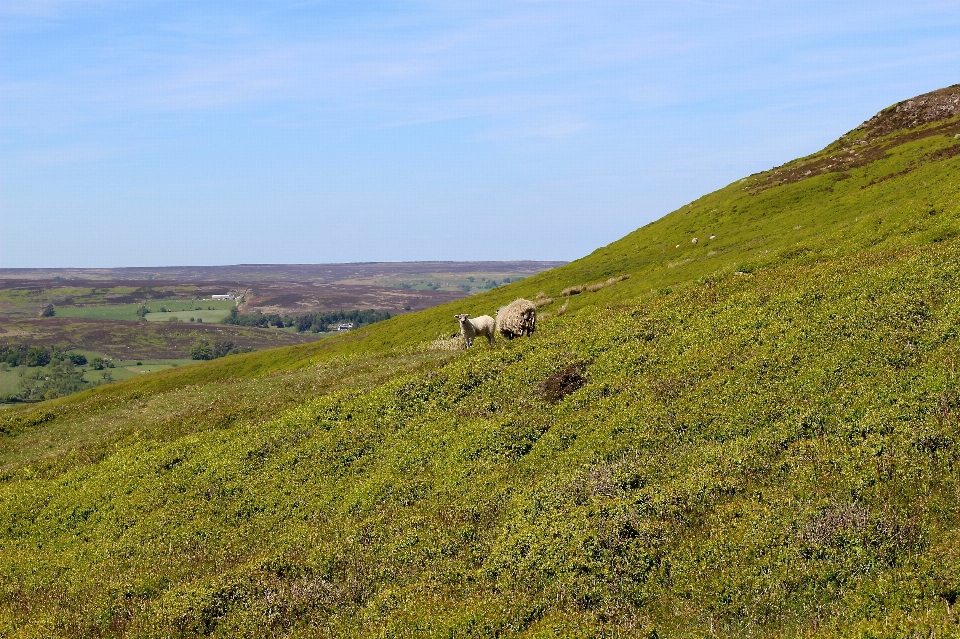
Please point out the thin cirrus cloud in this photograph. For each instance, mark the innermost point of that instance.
(345, 70)
(367, 127)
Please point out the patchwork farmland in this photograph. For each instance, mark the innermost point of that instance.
(144, 320)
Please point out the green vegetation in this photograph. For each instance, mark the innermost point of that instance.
(135, 340)
(186, 316)
(27, 300)
(320, 322)
(33, 373)
(209, 310)
(257, 319)
(204, 350)
(125, 369)
(40, 373)
(99, 363)
(8, 382)
(450, 282)
(312, 322)
(754, 435)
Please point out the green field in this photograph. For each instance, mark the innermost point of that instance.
(125, 369)
(121, 369)
(107, 311)
(30, 300)
(754, 435)
(129, 311)
(8, 382)
(212, 317)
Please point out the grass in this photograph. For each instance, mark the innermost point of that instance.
(209, 317)
(755, 435)
(125, 369)
(122, 369)
(129, 311)
(31, 300)
(140, 340)
(8, 382)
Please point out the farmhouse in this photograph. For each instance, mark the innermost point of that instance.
(228, 296)
(345, 327)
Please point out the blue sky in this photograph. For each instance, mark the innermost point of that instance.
(148, 133)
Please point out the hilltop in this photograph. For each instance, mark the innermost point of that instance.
(754, 434)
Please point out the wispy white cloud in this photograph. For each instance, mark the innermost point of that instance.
(304, 109)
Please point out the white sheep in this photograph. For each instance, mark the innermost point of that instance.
(517, 319)
(483, 326)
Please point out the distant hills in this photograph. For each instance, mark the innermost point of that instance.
(755, 434)
(315, 273)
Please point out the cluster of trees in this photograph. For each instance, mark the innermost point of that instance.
(61, 378)
(24, 355)
(320, 322)
(47, 373)
(99, 363)
(205, 350)
(257, 319)
(314, 322)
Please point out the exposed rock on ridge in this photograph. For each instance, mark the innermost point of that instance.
(941, 104)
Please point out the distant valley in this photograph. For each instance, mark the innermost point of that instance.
(132, 321)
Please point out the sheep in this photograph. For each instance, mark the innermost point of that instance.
(483, 326)
(517, 319)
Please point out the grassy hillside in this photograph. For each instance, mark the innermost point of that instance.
(753, 435)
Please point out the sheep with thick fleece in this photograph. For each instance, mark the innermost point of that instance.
(484, 326)
(516, 319)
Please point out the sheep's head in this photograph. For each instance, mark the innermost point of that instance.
(462, 317)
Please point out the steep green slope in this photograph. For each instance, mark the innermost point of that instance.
(756, 434)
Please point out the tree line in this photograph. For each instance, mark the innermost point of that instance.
(310, 322)
(204, 350)
(47, 373)
(25, 355)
